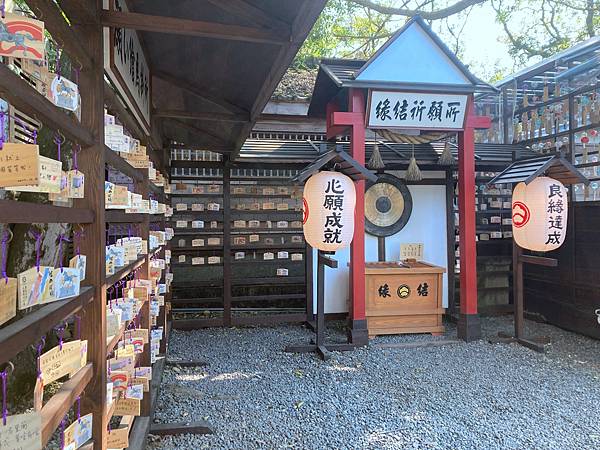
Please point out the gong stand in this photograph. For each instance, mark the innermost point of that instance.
(318, 344)
(381, 248)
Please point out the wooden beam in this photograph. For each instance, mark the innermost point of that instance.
(194, 363)
(79, 11)
(13, 211)
(139, 433)
(116, 162)
(185, 27)
(174, 429)
(60, 30)
(199, 91)
(245, 10)
(179, 164)
(196, 129)
(538, 260)
(59, 405)
(206, 116)
(423, 344)
(16, 91)
(124, 271)
(120, 216)
(15, 336)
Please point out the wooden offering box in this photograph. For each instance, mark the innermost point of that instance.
(404, 297)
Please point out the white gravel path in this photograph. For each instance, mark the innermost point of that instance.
(463, 396)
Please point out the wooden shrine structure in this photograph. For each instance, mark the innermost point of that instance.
(177, 77)
(344, 95)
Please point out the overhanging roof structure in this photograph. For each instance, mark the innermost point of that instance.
(527, 170)
(339, 160)
(304, 152)
(215, 63)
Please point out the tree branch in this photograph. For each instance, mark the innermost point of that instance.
(427, 15)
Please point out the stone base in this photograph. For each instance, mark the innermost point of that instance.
(469, 327)
(358, 333)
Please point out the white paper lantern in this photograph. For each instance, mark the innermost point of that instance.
(329, 201)
(539, 214)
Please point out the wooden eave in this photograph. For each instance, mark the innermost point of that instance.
(215, 67)
(341, 161)
(527, 170)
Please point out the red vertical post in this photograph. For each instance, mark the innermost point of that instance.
(358, 333)
(469, 327)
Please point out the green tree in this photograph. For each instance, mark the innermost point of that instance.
(541, 28)
(533, 28)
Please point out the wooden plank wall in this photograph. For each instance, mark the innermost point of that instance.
(568, 295)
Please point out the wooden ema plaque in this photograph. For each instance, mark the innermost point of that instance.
(19, 165)
(118, 437)
(404, 297)
(8, 299)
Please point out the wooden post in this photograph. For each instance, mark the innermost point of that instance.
(469, 326)
(518, 289)
(381, 248)
(358, 321)
(308, 256)
(144, 274)
(92, 164)
(450, 242)
(227, 273)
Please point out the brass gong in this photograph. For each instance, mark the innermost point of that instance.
(388, 205)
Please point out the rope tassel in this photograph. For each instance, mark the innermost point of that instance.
(376, 161)
(413, 173)
(446, 158)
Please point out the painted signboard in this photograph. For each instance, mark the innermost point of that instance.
(416, 110)
(126, 65)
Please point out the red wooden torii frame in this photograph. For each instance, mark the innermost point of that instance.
(353, 122)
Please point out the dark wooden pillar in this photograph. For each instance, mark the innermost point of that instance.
(92, 164)
(227, 273)
(142, 187)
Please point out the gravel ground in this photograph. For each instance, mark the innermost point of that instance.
(460, 396)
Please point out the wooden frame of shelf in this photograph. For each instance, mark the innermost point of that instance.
(85, 44)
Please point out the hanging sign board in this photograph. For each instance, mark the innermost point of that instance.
(415, 110)
(126, 66)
